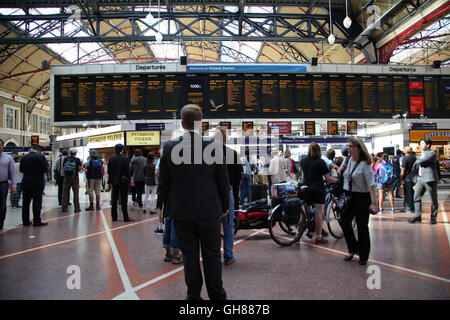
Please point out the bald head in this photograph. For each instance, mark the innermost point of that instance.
(408, 150)
(189, 114)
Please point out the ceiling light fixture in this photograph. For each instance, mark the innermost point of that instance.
(347, 20)
(149, 18)
(331, 37)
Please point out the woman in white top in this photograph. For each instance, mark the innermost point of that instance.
(362, 198)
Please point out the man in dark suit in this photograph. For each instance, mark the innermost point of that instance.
(119, 178)
(427, 180)
(197, 192)
(33, 165)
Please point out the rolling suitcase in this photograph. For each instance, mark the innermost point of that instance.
(258, 191)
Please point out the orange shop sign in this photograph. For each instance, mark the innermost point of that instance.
(434, 135)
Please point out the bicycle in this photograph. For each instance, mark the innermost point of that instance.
(287, 229)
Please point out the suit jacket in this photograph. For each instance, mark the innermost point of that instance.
(192, 188)
(118, 170)
(427, 167)
(33, 165)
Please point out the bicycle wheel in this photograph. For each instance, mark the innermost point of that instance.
(333, 223)
(282, 230)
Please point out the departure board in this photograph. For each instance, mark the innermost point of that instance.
(205, 127)
(287, 87)
(102, 95)
(137, 95)
(445, 94)
(337, 94)
(369, 94)
(172, 94)
(431, 93)
(78, 98)
(332, 128)
(385, 95)
(119, 99)
(86, 92)
(155, 90)
(269, 96)
(320, 93)
(401, 103)
(352, 127)
(310, 128)
(195, 92)
(217, 93)
(303, 97)
(234, 95)
(353, 94)
(68, 96)
(251, 96)
(416, 100)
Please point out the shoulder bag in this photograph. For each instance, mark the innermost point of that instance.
(344, 199)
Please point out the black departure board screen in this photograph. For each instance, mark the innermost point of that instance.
(119, 99)
(102, 95)
(172, 94)
(320, 93)
(269, 96)
(385, 95)
(445, 94)
(401, 103)
(369, 94)
(353, 94)
(137, 95)
(303, 94)
(86, 93)
(337, 92)
(287, 87)
(155, 92)
(431, 93)
(251, 96)
(234, 95)
(217, 94)
(310, 128)
(195, 92)
(81, 98)
(67, 96)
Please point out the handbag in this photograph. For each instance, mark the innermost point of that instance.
(344, 200)
(338, 188)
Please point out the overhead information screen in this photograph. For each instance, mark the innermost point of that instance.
(248, 95)
(102, 94)
(369, 94)
(86, 92)
(337, 94)
(269, 94)
(385, 95)
(353, 94)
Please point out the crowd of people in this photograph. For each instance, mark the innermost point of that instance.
(193, 201)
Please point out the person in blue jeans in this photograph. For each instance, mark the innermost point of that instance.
(170, 243)
(234, 168)
(247, 178)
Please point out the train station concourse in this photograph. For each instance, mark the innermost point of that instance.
(95, 79)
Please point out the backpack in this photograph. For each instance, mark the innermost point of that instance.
(70, 168)
(386, 173)
(95, 169)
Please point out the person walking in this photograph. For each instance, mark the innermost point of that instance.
(137, 165)
(197, 194)
(407, 178)
(33, 165)
(71, 167)
(234, 168)
(247, 179)
(384, 177)
(315, 169)
(150, 183)
(119, 177)
(15, 198)
(58, 173)
(427, 179)
(94, 174)
(359, 184)
(6, 173)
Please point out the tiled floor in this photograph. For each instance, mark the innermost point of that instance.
(118, 260)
